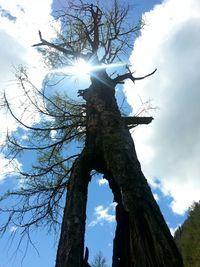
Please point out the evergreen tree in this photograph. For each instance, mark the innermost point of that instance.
(187, 237)
(99, 260)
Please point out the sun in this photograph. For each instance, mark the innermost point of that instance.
(81, 68)
(78, 68)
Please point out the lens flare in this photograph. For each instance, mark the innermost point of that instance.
(82, 69)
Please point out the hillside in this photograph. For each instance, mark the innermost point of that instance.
(187, 237)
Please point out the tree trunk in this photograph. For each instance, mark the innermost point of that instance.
(70, 248)
(142, 236)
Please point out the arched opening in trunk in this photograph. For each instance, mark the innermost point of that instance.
(101, 218)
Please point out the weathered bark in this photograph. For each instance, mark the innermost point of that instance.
(134, 121)
(121, 247)
(142, 236)
(70, 250)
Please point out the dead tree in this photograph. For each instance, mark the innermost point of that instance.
(142, 237)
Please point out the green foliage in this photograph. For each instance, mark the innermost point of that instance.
(187, 237)
(99, 260)
(56, 122)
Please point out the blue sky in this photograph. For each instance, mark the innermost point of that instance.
(168, 149)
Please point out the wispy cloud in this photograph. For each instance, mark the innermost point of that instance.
(103, 215)
(169, 148)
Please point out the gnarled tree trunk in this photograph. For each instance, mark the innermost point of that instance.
(142, 237)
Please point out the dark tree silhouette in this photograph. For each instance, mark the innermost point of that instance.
(102, 36)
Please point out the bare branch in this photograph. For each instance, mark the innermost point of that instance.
(88, 29)
(129, 75)
(57, 47)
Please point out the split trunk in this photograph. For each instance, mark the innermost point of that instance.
(142, 238)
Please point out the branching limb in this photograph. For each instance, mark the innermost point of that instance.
(57, 47)
(129, 75)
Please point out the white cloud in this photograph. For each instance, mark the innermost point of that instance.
(20, 21)
(102, 181)
(169, 148)
(21, 34)
(173, 230)
(156, 197)
(13, 229)
(103, 215)
(7, 168)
